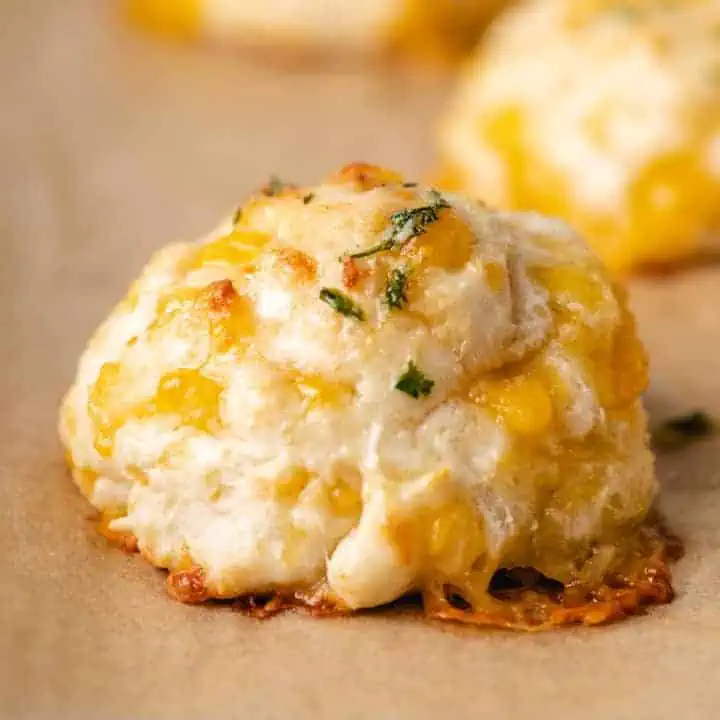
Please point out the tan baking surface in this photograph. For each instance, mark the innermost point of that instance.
(113, 145)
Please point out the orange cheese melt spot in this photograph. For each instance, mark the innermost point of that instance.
(231, 316)
(106, 406)
(445, 540)
(496, 276)
(670, 204)
(569, 285)
(531, 183)
(616, 364)
(85, 478)
(622, 368)
(191, 395)
(523, 402)
(447, 244)
(317, 391)
(178, 18)
(291, 485)
(455, 539)
(441, 31)
(366, 177)
(239, 248)
(185, 392)
(344, 500)
(216, 309)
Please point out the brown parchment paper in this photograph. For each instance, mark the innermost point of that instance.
(113, 144)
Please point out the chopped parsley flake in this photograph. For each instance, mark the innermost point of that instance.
(677, 432)
(406, 225)
(341, 303)
(237, 216)
(396, 288)
(307, 199)
(414, 382)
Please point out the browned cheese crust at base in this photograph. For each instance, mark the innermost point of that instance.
(520, 599)
(525, 600)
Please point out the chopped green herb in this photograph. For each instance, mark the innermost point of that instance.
(237, 216)
(274, 187)
(387, 244)
(409, 185)
(396, 288)
(683, 430)
(414, 382)
(308, 198)
(341, 303)
(407, 224)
